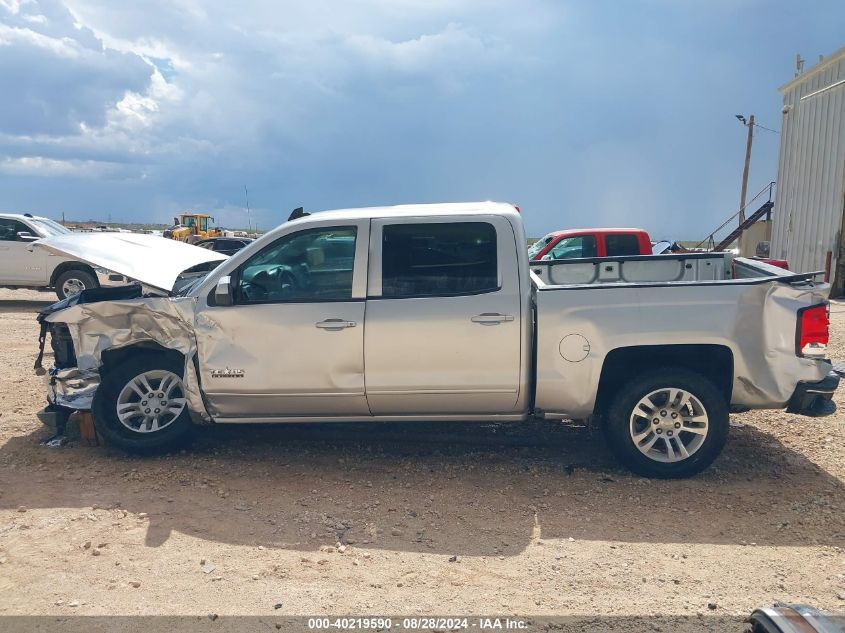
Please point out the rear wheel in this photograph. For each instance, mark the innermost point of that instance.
(141, 404)
(72, 282)
(667, 423)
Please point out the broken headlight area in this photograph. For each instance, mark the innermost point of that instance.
(69, 387)
(64, 356)
(60, 338)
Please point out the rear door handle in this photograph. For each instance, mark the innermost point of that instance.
(491, 318)
(335, 324)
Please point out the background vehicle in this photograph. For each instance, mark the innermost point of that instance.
(762, 254)
(21, 266)
(192, 227)
(433, 312)
(577, 243)
(225, 245)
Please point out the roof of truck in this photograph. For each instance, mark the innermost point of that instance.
(611, 230)
(410, 210)
(21, 216)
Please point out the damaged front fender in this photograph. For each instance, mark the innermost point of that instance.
(102, 326)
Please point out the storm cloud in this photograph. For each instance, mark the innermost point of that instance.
(583, 113)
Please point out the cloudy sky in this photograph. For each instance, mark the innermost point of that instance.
(584, 112)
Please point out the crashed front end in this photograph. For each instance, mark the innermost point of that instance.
(85, 329)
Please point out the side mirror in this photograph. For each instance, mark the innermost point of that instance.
(26, 236)
(223, 291)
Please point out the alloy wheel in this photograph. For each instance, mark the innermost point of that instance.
(669, 425)
(151, 401)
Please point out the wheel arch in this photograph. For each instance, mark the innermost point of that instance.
(71, 265)
(715, 362)
(117, 355)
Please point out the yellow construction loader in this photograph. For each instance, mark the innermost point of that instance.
(192, 227)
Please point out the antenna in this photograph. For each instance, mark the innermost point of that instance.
(248, 213)
(297, 213)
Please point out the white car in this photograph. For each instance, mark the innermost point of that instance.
(21, 266)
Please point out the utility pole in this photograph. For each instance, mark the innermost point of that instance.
(750, 125)
(248, 213)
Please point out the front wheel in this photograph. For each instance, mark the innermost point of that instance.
(72, 282)
(669, 423)
(141, 404)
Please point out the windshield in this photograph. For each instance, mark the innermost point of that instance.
(537, 246)
(48, 228)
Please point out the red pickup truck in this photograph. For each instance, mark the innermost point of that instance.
(575, 243)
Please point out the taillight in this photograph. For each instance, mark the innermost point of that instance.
(813, 331)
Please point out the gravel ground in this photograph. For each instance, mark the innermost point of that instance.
(414, 519)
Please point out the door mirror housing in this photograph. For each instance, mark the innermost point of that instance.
(223, 291)
(26, 236)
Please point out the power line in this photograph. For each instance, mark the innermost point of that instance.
(768, 129)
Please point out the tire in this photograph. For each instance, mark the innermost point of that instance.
(137, 432)
(704, 411)
(74, 277)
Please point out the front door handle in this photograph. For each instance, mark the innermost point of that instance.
(491, 318)
(335, 324)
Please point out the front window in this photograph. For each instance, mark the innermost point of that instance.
(574, 247)
(433, 259)
(539, 245)
(203, 224)
(310, 265)
(9, 230)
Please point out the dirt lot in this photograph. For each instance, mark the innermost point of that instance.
(541, 520)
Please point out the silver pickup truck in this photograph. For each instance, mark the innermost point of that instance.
(433, 312)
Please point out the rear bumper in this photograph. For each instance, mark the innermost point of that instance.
(809, 395)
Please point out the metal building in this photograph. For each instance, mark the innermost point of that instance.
(808, 219)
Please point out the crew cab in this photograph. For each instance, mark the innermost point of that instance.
(434, 312)
(24, 267)
(577, 243)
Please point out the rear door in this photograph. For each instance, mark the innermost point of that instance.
(622, 244)
(443, 317)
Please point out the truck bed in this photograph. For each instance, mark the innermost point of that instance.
(680, 302)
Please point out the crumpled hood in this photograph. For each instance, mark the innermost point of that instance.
(154, 261)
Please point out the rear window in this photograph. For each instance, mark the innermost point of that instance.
(432, 259)
(621, 244)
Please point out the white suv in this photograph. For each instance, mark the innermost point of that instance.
(23, 267)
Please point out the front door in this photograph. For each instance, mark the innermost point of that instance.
(443, 331)
(19, 265)
(293, 342)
